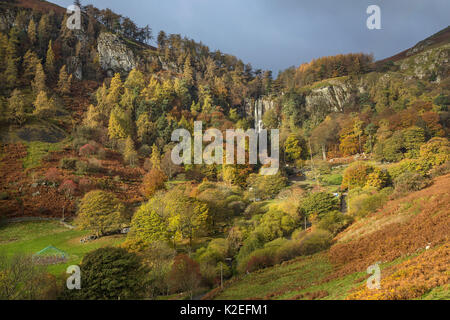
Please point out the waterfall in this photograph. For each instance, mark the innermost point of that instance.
(258, 116)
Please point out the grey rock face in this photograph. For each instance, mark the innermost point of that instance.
(114, 54)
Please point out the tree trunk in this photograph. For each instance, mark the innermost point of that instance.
(324, 152)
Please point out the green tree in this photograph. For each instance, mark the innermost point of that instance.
(112, 274)
(293, 148)
(100, 211)
(318, 204)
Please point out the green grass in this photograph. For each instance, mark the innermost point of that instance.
(282, 279)
(36, 151)
(31, 237)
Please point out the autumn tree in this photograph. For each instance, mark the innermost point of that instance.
(30, 62)
(50, 63)
(100, 211)
(153, 181)
(130, 155)
(17, 107)
(65, 81)
(185, 275)
(38, 84)
(31, 31)
(43, 106)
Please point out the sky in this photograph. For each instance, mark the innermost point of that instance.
(277, 34)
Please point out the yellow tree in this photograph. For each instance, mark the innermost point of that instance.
(50, 61)
(65, 81)
(38, 84)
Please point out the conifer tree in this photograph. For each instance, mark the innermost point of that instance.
(115, 90)
(130, 155)
(16, 105)
(188, 73)
(116, 127)
(43, 106)
(30, 61)
(65, 81)
(38, 84)
(31, 31)
(50, 61)
(155, 158)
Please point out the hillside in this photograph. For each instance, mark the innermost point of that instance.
(87, 119)
(408, 237)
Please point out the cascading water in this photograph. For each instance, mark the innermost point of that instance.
(258, 116)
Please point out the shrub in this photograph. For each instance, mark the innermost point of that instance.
(91, 166)
(87, 150)
(53, 175)
(441, 170)
(410, 182)
(361, 174)
(266, 187)
(185, 275)
(335, 222)
(153, 181)
(276, 224)
(68, 163)
(85, 185)
(68, 187)
(316, 241)
(261, 259)
(255, 208)
(319, 203)
(368, 200)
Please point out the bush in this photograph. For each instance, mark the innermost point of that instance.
(68, 163)
(91, 166)
(316, 241)
(87, 150)
(255, 208)
(261, 259)
(335, 222)
(410, 182)
(368, 200)
(275, 224)
(319, 203)
(53, 175)
(153, 181)
(266, 187)
(361, 174)
(441, 170)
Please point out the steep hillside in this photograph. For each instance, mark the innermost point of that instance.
(409, 237)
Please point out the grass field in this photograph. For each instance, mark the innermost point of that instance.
(31, 237)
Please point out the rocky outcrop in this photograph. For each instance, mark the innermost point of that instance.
(114, 54)
(333, 96)
(431, 64)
